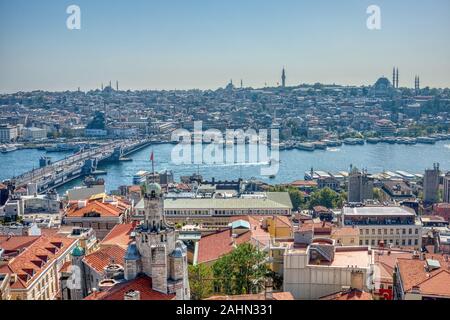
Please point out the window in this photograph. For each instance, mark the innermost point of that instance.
(367, 242)
(409, 242)
(403, 242)
(416, 242)
(373, 242)
(379, 231)
(385, 231)
(367, 231)
(410, 231)
(392, 231)
(373, 231)
(403, 231)
(361, 232)
(360, 242)
(417, 231)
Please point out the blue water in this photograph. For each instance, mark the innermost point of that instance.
(375, 158)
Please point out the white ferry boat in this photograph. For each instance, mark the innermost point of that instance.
(140, 177)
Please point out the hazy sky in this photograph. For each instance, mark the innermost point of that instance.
(168, 44)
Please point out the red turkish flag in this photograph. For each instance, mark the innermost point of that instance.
(152, 157)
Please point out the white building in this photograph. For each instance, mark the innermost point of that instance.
(34, 133)
(8, 133)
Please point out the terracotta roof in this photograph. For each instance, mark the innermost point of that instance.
(414, 273)
(352, 294)
(143, 284)
(345, 231)
(304, 183)
(104, 209)
(213, 246)
(35, 258)
(119, 235)
(13, 243)
(101, 258)
(275, 296)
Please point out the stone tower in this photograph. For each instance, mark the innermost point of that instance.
(156, 252)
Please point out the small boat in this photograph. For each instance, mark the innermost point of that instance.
(305, 146)
(8, 148)
(272, 176)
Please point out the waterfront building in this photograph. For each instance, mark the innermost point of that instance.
(34, 133)
(384, 226)
(385, 127)
(316, 267)
(360, 186)
(34, 264)
(8, 133)
(431, 185)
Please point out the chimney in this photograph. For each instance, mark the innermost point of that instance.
(269, 289)
(132, 295)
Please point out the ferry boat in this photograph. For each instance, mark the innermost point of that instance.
(320, 145)
(373, 140)
(306, 146)
(426, 140)
(140, 177)
(354, 141)
(8, 148)
(61, 147)
(333, 143)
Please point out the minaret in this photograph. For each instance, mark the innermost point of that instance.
(417, 84)
(117, 85)
(397, 78)
(283, 78)
(393, 77)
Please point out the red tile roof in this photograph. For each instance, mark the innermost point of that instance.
(213, 246)
(414, 273)
(13, 243)
(95, 206)
(143, 284)
(101, 258)
(352, 294)
(120, 235)
(35, 258)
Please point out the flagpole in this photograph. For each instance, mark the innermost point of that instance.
(153, 166)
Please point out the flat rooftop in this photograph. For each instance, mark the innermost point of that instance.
(359, 258)
(378, 211)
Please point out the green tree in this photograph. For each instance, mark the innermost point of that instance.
(325, 197)
(200, 281)
(296, 195)
(243, 271)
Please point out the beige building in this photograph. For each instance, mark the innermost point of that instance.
(345, 236)
(384, 226)
(315, 267)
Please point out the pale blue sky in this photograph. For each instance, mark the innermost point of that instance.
(167, 44)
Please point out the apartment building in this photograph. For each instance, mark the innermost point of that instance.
(384, 226)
